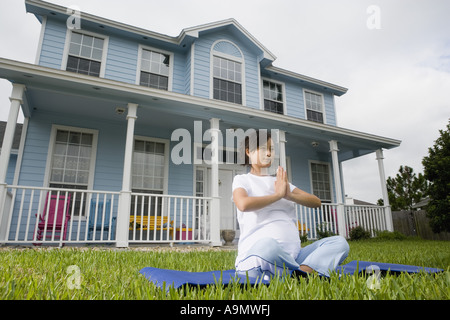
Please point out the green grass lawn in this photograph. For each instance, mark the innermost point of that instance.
(108, 273)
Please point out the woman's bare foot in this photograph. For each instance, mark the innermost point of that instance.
(306, 269)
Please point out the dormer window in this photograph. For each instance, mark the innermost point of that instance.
(314, 106)
(155, 69)
(227, 80)
(85, 54)
(227, 72)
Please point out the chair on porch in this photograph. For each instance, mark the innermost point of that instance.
(101, 220)
(53, 221)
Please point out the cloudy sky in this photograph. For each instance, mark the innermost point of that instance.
(392, 55)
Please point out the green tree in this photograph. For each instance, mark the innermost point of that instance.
(437, 171)
(406, 189)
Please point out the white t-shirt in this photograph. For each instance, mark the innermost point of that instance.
(278, 220)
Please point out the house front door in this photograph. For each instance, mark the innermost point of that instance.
(228, 219)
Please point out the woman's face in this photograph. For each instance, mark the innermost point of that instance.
(262, 156)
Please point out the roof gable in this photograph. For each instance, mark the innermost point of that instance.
(233, 25)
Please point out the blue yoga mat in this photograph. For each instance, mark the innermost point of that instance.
(367, 266)
(166, 278)
(176, 279)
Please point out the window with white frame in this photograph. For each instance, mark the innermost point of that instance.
(149, 160)
(273, 97)
(314, 106)
(321, 181)
(227, 80)
(72, 162)
(85, 54)
(155, 69)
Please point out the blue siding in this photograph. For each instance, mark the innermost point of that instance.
(35, 153)
(187, 73)
(122, 55)
(202, 68)
(53, 43)
(121, 61)
(294, 101)
(329, 109)
(179, 73)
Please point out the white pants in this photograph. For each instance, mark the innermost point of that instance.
(267, 257)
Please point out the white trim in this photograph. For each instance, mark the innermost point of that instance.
(195, 31)
(323, 104)
(139, 62)
(41, 40)
(310, 162)
(166, 143)
(334, 89)
(48, 166)
(88, 33)
(241, 60)
(283, 92)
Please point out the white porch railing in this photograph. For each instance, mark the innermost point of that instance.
(325, 218)
(89, 216)
(167, 218)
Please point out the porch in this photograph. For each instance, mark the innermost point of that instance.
(90, 217)
(53, 100)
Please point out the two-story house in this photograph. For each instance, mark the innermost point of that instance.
(124, 130)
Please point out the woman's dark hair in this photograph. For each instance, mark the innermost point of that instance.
(253, 141)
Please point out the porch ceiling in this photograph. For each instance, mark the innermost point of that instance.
(60, 91)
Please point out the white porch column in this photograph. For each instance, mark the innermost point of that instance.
(16, 100)
(215, 203)
(283, 149)
(338, 187)
(388, 212)
(123, 214)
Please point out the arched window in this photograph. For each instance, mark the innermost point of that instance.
(227, 72)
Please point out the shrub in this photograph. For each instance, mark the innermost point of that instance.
(388, 235)
(303, 237)
(322, 231)
(358, 233)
